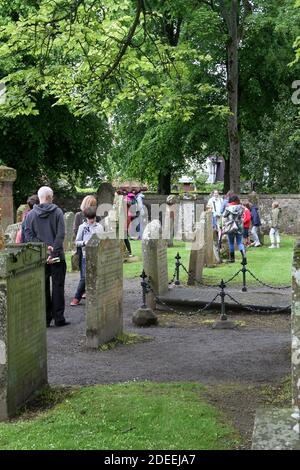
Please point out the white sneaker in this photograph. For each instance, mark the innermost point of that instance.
(257, 244)
(278, 246)
(272, 246)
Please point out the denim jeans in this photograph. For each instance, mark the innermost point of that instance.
(239, 241)
(81, 286)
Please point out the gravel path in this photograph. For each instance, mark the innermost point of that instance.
(180, 350)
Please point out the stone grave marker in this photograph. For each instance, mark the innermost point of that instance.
(7, 178)
(155, 261)
(209, 256)
(196, 264)
(105, 198)
(23, 347)
(279, 428)
(104, 288)
(10, 233)
(69, 237)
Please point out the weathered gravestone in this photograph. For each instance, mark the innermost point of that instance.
(296, 332)
(172, 210)
(11, 233)
(209, 256)
(69, 236)
(276, 428)
(7, 178)
(105, 198)
(23, 348)
(196, 264)
(155, 261)
(104, 288)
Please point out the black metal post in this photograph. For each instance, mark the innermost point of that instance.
(144, 285)
(177, 268)
(244, 270)
(223, 295)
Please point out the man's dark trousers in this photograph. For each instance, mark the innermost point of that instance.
(55, 303)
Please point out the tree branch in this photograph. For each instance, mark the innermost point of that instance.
(126, 42)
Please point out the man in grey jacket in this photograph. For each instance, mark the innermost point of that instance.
(45, 223)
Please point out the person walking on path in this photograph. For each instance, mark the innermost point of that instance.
(45, 223)
(256, 223)
(85, 231)
(233, 226)
(274, 231)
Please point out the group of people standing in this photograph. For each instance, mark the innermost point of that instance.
(238, 219)
(86, 223)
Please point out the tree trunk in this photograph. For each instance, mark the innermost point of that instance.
(232, 89)
(164, 183)
(226, 187)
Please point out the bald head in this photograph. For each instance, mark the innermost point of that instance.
(45, 195)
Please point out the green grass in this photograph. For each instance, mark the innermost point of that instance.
(272, 266)
(127, 416)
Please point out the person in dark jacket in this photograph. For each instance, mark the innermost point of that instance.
(256, 223)
(45, 223)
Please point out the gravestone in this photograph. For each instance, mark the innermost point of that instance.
(104, 288)
(209, 256)
(169, 223)
(10, 233)
(154, 250)
(296, 332)
(105, 198)
(23, 348)
(7, 178)
(69, 236)
(196, 264)
(279, 428)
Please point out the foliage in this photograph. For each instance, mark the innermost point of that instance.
(54, 143)
(272, 154)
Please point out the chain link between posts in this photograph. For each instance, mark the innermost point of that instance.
(222, 294)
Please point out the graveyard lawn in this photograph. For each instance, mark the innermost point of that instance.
(272, 266)
(132, 415)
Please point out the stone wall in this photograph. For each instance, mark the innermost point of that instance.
(290, 204)
(23, 348)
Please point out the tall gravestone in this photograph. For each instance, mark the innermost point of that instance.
(155, 262)
(169, 223)
(197, 254)
(279, 428)
(105, 198)
(23, 348)
(296, 331)
(104, 288)
(69, 236)
(209, 256)
(7, 178)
